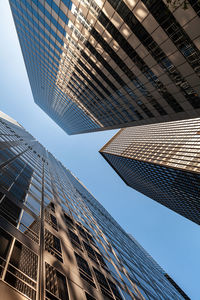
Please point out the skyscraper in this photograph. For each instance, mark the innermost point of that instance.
(96, 65)
(161, 161)
(56, 239)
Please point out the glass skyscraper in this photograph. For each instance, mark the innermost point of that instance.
(56, 239)
(104, 64)
(161, 161)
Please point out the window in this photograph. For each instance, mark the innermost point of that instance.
(5, 241)
(90, 252)
(25, 260)
(10, 211)
(53, 245)
(68, 221)
(84, 269)
(74, 239)
(89, 297)
(51, 219)
(22, 270)
(85, 234)
(30, 226)
(52, 206)
(105, 289)
(33, 204)
(114, 289)
(55, 284)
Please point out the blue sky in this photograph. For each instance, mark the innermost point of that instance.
(173, 241)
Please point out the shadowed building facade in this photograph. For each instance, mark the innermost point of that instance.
(162, 161)
(57, 242)
(96, 65)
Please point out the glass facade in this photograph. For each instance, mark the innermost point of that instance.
(161, 161)
(96, 65)
(56, 239)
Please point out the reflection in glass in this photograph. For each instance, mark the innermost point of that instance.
(29, 226)
(33, 205)
(35, 192)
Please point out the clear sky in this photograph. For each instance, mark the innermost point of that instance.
(173, 241)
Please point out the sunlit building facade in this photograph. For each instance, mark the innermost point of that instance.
(56, 239)
(96, 65)
(161, 161)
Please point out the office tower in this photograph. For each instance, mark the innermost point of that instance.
(162, 161)
(96, 65)
(56, 239)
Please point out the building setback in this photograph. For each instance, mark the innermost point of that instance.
(96, 65)
(162, 161)
(56, 239)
